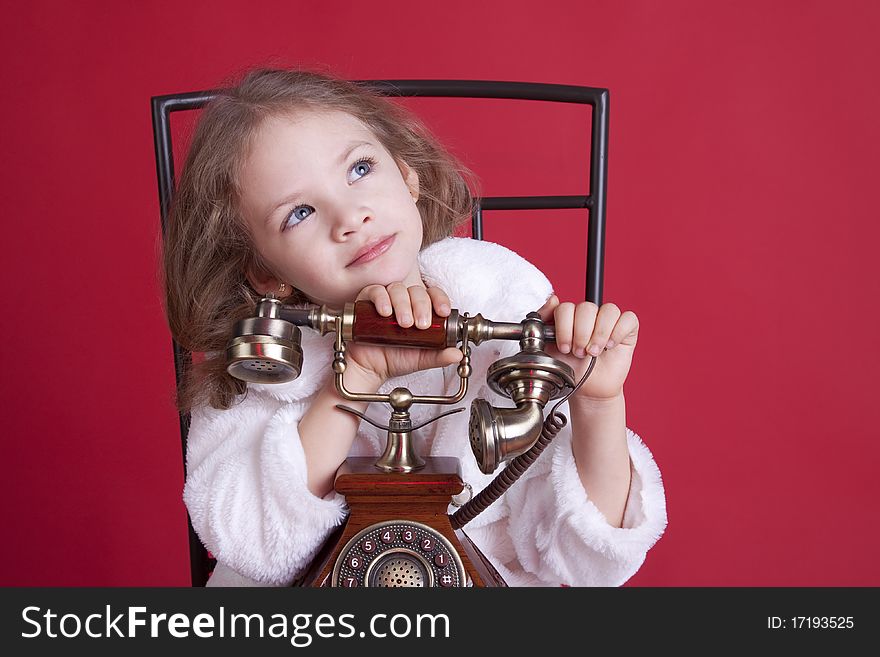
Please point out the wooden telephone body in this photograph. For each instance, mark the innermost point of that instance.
(398, 532)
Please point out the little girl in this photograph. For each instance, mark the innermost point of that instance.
(321, 192)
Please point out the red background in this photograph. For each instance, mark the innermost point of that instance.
(741, 230)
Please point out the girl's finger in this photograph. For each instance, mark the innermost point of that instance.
(441, 358)
(564, 323)
(626, 328)
(440, 300)
(400, 301)
(584, 321)
(379, 296)
(421, 306)
(546, 311)
(604, 325)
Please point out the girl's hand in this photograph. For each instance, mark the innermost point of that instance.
(586, 326)
(410, 306)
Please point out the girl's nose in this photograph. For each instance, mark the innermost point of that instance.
(350, 220)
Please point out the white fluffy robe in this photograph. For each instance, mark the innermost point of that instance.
(246, 486)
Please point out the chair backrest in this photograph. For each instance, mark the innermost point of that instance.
(593, 202)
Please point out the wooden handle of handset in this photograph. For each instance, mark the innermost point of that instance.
(370, 327)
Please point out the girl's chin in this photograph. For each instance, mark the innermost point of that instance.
(386, 275)
(383, 276)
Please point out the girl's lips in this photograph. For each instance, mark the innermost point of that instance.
(374, 252)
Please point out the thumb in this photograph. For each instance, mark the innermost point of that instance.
(433, 358)
(546, 311)
(449, 356)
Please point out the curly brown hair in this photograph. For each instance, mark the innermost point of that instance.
(207, 248)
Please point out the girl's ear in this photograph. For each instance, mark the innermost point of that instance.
(261, 280)
(411, 178)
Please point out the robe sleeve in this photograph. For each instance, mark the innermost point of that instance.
(562, 538)
(246, 489)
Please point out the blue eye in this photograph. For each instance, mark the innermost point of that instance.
(302, 212)
(362, 167)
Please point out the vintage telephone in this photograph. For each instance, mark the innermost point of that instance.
(398, 532)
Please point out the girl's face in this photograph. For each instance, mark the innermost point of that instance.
(318, 191)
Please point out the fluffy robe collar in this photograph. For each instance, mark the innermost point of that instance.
(479, 277)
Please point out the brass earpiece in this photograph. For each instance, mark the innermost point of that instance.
(265, 348)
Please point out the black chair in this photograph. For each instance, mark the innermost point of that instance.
(162, 106)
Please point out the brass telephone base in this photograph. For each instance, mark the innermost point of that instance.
(398, 532)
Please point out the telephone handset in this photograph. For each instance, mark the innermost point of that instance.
(398, 532)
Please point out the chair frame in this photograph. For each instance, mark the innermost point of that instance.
(594, 202)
